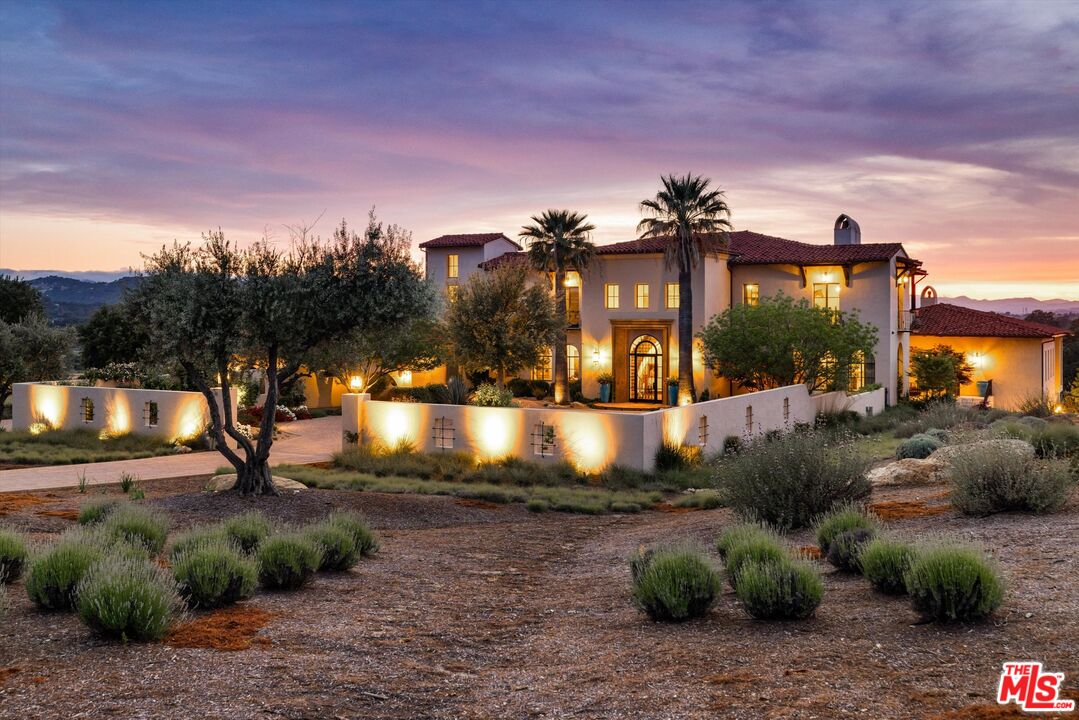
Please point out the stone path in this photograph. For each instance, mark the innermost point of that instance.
(306, 441)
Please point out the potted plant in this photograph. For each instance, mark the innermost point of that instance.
(606, 383)
(672, 391)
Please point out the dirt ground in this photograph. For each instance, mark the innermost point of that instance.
(479, 611)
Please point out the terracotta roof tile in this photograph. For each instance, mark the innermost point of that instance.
(465, 240)
(946, 320)
(504, 259)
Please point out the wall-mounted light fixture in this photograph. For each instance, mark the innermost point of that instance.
(404, 378)
(355, 383)
(595, 357)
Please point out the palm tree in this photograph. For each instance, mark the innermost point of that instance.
(690, 214)
(559, 241)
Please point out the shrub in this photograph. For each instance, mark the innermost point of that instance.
(127, 481)
(701, 500)
(940, 414)
(1012, 429)
(760, 549)
(841, 520)
(128, 599)
(1033, 422)
(676, 585)
(787, 589)
(139, 526)
(540, 389)
(741, 533)
(338, 547)
(844, 552)
(537, 505)
(676, 457)
(519, 387)
(53, 577)
(639, 561)
(196, 536)
(248, 529)
(885, 564)
(938, 434)
(990, 480)
(95, 511)
(789, 479)
(354, 524)
(492, 396)
(214, 573)
(287, 561)
(953, 583)
(13, 555)
(732, 445)
(918, 446)
(1056, 440)
(456, 392)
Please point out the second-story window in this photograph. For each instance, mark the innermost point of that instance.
(671, 295)
(610, 292)
(751, 294)
(641, 296)
(826, 295)
(451, 266)
(451, 293)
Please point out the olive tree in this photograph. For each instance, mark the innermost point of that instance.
(32, 350)
(941, 370)
(215, 307)
(502, 321)
(782, 342)
(19, 299)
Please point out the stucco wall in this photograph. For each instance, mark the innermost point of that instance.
(590, 440)
(1013, 364)
(116, 410)
(873, 293)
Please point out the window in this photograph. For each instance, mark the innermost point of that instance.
(671, 295)
(451, 293)
(543, 439)
(786, 409)
(610, 291)
(573, 362)
(751, 294)
(862, 371)
(87, 410)
(443, 434)
(542, 369)
(702, 431)
(451, 266)
(149, 414)
(573, 305)
(749, 419)
(826, 295)
(642, 296)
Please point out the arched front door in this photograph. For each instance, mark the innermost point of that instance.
(645, 369)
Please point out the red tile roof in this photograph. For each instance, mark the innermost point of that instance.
(465, 240)
(946, 320)
(504, 259)
(750, 248)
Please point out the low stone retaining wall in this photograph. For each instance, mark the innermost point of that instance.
(589, 439)
(167, 413)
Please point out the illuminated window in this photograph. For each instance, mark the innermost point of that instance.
(751, 294)
(149, 414)
(451, 266)
(611, 294)
(862, 371)
(542, 368)
(671, 296)
(444, 433)
(87, 410)
(826, 295)
(451, 293)
(641, 292)
(573, 305)
(573, 362)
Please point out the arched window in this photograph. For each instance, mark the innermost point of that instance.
(645, 369)
(573, 362)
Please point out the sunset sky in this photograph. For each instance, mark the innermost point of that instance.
(952, 127)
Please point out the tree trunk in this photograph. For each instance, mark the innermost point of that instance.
(558, 352)
(687, 394)
(255, 477)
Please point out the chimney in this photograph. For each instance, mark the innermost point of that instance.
(847, 231)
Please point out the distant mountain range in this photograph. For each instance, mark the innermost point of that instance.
(73, 296)
(1016, 306)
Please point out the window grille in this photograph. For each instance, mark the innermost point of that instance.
(87, 410)
(543, 440)
(786, 409)
(702, 431)
(444, 434)
(149, 414)
(749, 419)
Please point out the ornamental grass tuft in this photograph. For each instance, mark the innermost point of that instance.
(287, 561)
(842, 519)
(676, 584)
(13, 555)
(214, 573)
(128, 599)
(53, 576)
(885, 563)
(779, 590)
(954, 583)
(248, 529)
(138, 525)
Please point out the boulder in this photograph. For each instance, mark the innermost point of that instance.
(1020, 447)
(909, 471)
(220, 483)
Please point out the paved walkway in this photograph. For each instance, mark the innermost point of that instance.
(306, 441)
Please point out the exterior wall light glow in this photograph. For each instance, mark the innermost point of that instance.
(404, 378)
(355, 383)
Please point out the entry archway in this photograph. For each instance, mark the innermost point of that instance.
(646, 369)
